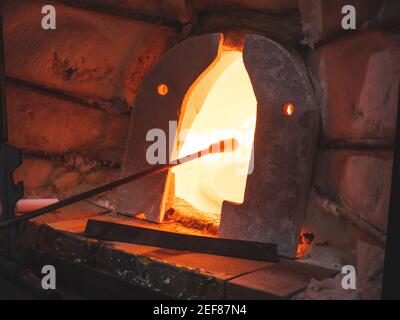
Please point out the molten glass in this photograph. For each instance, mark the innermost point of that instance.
(306, 239)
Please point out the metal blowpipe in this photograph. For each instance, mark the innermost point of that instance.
(228, 145)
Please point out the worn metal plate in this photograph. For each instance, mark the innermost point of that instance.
(277, 190)
(178, 69)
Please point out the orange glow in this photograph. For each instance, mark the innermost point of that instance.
(162, 89)
(306, 238)
(221, 105)
(288, 109)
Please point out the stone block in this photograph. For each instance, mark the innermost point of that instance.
(326, 228)
(35, 173)
(65, 246)
(180, 283)
(48, 124)
(323, 19)
(358, 82)
(328, 289)
(370, 265)
(46, 178)
(359, 180)
(90, 54)
(220, 267)
(67, 180)
(279, 281)
(156, 269)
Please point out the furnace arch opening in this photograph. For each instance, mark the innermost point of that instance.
(220, 105)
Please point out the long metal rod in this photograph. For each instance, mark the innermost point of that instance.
(337, 210)
(221, 146)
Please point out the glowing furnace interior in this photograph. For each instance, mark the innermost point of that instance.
(220, 105)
